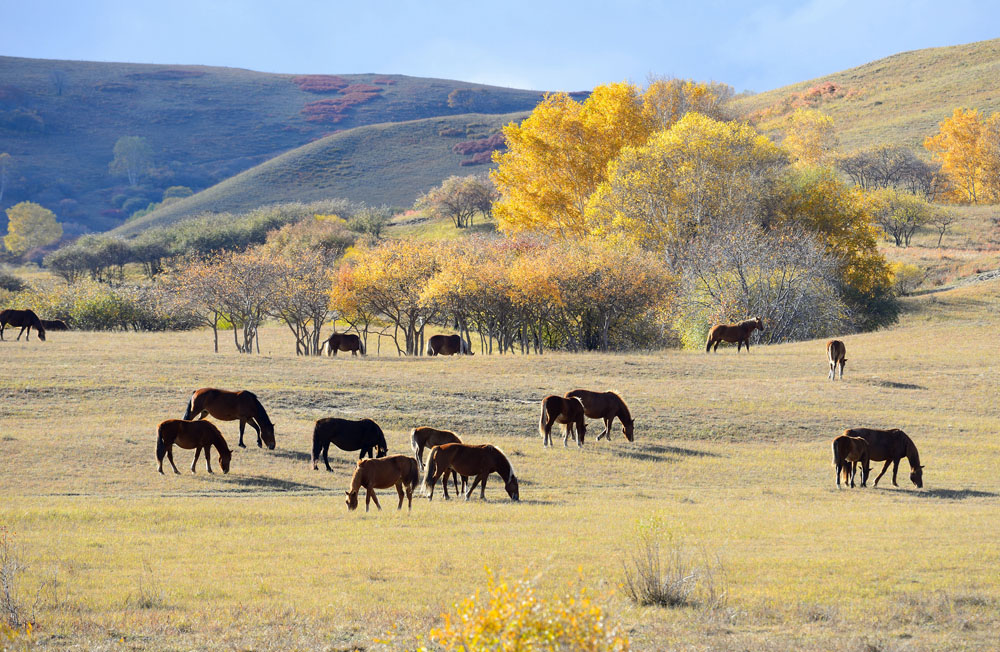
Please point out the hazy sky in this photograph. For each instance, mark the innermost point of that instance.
(537, 44)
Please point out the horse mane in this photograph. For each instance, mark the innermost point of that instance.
(261, 412)
(913, 459)
(628, 413)
(747, 323)
(510, 467)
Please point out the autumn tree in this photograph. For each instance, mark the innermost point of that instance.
(942, 220)
(810, 136)
(193, 288)
(30, 225)
(667, 100)
(460, 199)
(303, 300)
(962, 144)
(899, 214)
(697, 172)
(133, 158)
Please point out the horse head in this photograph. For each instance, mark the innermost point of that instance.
(629, 430)
(352, 500)
(758, 323)
(267, 434)
(511, 487)
(917, 476)
(225, 457)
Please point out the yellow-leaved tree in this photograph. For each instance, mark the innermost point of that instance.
(968, 146)
(700, 170)
(810, 137)
(30, 225)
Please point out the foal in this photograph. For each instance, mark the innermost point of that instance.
(397, 471)
(847, 452)
(836, 353)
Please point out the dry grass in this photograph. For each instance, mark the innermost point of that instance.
(732, 456)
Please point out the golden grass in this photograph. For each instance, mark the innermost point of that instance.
(732, 458)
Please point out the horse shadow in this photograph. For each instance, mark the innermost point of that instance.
(660, 453)
(263, 482)
(955, 494)
(297, 456)
(878, 382)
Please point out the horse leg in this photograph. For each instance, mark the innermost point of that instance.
(371, 492)
(473, 486)
(208, 458)
(566, 428)
(170, 456)
(884, 469)
(22, 333)
(243, 425)
(409, 499)
(833, 367)
(739, 343)
(326, 458)
(197, 452)
(482, 487)
(895, 467)
(854, 470)
(839, 467)
(253, 424)
(445, 485)
(399, 490)
(454, 477)
(607, 429)
(716, 348)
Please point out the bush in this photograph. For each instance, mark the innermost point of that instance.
(906, 278)
(673, 579)
(10, 282)
(511, 616)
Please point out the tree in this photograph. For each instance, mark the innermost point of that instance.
(304, 300)
(961, 146)
(899, 214)
(810, 136)
(697, 172)
(133, 158)
(459, 199)
(58, 78)
(370, 221)
(941, 220)
(30, 225)
(6, 162)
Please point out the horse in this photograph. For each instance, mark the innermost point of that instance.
(363, 435)
(891, 446)
(739, 333)
(425, 437)
(344, 342)
(230, 406)
(567, 411)
(448, 345)
(847, 452)
(835, 353)
(399, 471)
(26, 319)
(607, 406)
(467, 460)
(54, 325)
(191, 434)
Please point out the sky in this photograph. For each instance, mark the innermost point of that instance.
(539, 44)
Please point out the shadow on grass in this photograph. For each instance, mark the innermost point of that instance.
(878, 382)
(659, 452)
(955, 494)
(297, 456)
(262, 482)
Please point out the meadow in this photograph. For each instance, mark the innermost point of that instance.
(731, 466)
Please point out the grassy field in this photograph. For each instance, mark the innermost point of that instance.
(731, 463)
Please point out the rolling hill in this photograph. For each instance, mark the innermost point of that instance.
(382, 164)
(899, 99)
(60, 120)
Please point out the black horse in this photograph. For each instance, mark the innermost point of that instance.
(26, 319)
(363, 435)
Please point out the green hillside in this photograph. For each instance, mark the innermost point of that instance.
(60, 120)
(382, 164)
(899, 99)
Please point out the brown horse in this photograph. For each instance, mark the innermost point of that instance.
(26, 319)
(567, 411)
(230, 406)
(836, 353)
(739, 333)
(191, 434)
(891, 446)
(847, 452)
(448, 345)
(427, 438)
(397, 471)
(54, 325)
(344, 342)
(466, 460)
(607, 406)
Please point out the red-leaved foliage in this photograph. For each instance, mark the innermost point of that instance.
(478, 159)
(496, 141)
(320, 83)
(810, 98)
(361, 88)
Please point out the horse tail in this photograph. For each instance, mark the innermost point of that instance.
(161, 446)
(317, 448)
(430, 349)
(708, 342)
(414, 445)
(412, 478)
(541, 421)
(430, 470)
(189, 411)
(834, 453)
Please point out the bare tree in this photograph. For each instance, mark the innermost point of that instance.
(942, 220)
(58, 78)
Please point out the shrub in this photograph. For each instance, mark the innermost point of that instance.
(906, 278)
(510, 616)
(320, 83)
(10, 282)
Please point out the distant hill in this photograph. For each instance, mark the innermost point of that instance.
(382, 164)
(899, 99)
(60, 121)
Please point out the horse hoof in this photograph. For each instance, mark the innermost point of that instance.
(242, 445)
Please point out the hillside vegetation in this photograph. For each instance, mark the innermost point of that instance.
(60, 120)
(898, 100)
(380, 164)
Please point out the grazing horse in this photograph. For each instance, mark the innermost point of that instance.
(607, 406)
(739, 333)
(427, 438)
(344, 342)
(847, 452)
(230, 406)
(54, 325)
(891, 446)
(23, 318)
(364, 435)
(567, 411)
(397, 471)
(836, 353)
(448, 345)
(191, 434)
(466, 460)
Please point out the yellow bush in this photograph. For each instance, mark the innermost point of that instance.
(510, 615)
